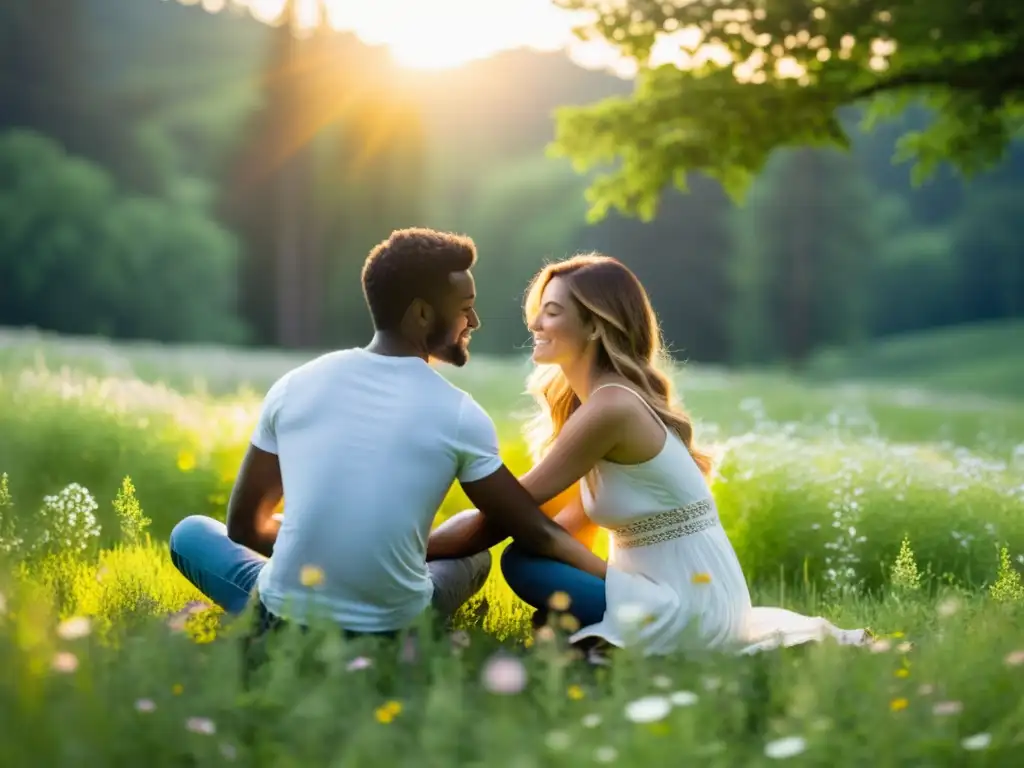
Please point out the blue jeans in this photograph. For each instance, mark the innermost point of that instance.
(534, 579)
(226, 571)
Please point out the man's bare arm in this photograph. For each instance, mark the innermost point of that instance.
(503, 502)
(257, 492)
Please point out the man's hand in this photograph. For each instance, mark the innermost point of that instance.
(257, 492)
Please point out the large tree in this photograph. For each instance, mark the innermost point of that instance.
(762, 74)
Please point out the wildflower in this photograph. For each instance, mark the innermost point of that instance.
(558, 741)
(559, 601)
(683, 698)
(944, 708)
(711, 683)
(177, 689)
(388, 712)
(605, 754)
(902, 672)
(311, 576)
(186, 460)
(73, 629)
(202, 725)
(780, 749)
(544, 635)
(898, 705)
(575, 692)
(701, 578)
(145, 705)
(1014, 659)
(880, 646)
(948, 607)
(648, 709)
(359, 662)
(568, 622)
(926, 690)
(228, 752)
(662, 681)
(591, 721)
(977, 741)
(65, 662)
(905, 647)
(460, 639)
(504, 675)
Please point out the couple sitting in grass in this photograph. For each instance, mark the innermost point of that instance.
(364, 444)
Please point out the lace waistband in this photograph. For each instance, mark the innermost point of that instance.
(666, 526)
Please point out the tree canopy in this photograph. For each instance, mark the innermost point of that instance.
(749, 76)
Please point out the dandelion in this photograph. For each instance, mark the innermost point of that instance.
(559, 601)
(177, 689)
(73, 629)
(359, 662)
(683, 698)
(1014, 659)
(945, 708)
(504, 675)
(648, 709)
(544, 635)
(977, 741)
(387, 712)
(145, 705)
(606, 754)
(575, 693)
(65, 662)
(558, 741)
(203, 725)
(311, 576)
(781, 749)
(902, 672)
(591, 721)
(898, 705)
(701, 578)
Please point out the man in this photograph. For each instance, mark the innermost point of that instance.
(364, 444)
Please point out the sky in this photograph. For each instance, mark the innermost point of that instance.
(437, 34)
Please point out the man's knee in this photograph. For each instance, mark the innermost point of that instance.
(189, 532)
(481, 565)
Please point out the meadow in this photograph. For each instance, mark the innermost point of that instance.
(873, 504)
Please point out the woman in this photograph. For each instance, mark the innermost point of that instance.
(606, 419)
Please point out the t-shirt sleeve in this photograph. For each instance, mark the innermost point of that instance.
(477, 443)
(264, 436)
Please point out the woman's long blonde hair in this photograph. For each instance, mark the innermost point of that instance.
(629, 340)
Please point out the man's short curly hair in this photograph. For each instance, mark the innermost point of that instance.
(412, 263)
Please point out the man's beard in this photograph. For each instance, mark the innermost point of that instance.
(452, 352)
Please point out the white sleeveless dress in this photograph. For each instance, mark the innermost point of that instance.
(674, 581)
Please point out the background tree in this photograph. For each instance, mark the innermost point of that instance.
(750, 76)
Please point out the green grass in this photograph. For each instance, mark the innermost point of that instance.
(811, 479)
(980, 357)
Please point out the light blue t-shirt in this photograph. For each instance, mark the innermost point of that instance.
(369, 446)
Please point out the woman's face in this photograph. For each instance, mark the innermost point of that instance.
(560, 335)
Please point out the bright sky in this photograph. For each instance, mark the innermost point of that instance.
(436, 34)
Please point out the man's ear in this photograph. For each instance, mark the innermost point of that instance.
(421, 313)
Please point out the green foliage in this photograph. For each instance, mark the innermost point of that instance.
(1008, 587)
(129, 512)
(77, 256)
(773, 73)
(905, 576)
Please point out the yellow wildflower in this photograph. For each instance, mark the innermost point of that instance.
(568, 622)
(898, 705)
(903, 672)
(186, 460)
(311, 576)
(575, 692)
(559, 601)
(388, 712)
(177, 689)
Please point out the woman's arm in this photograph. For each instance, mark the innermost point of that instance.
(588, 436)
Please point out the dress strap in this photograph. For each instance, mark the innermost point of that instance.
(639, 396)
